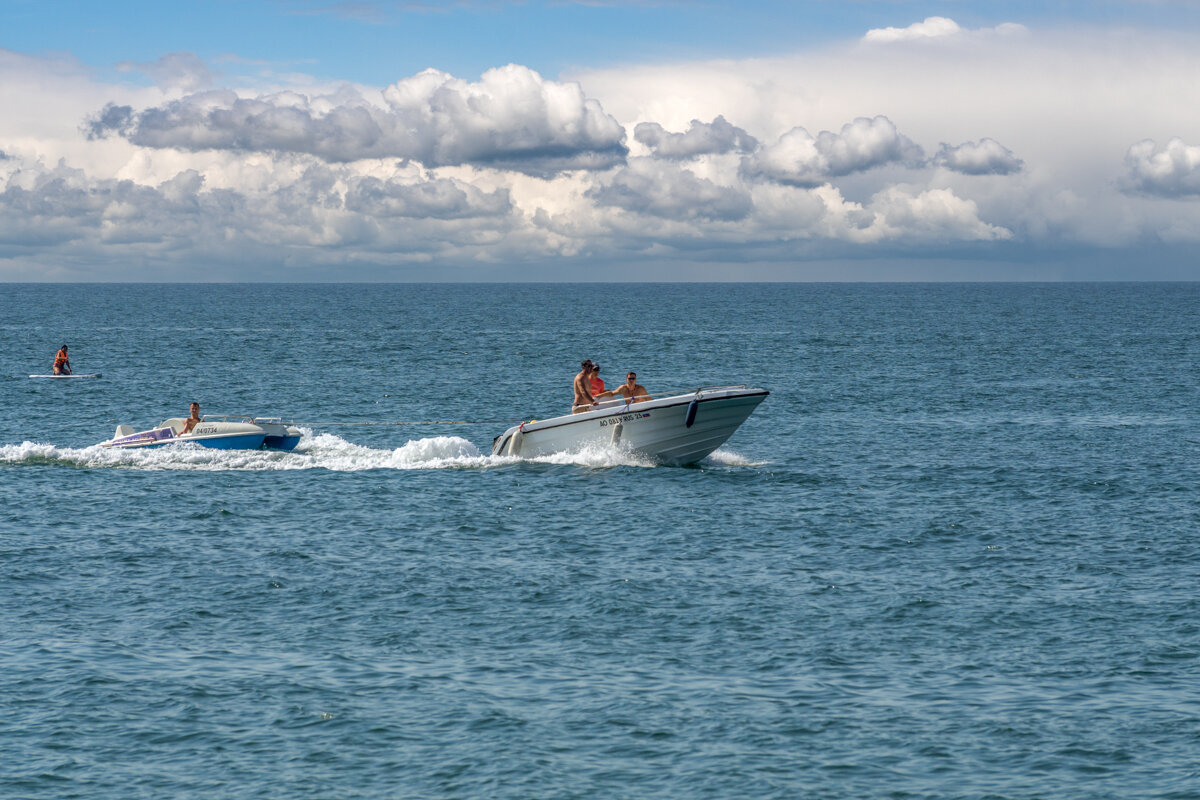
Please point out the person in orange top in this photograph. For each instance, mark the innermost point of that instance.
(596, 383)
(62, 366)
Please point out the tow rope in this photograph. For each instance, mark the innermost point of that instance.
(431, 422)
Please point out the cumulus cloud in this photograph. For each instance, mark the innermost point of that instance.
(800, 159)
(985, 157)
(931, 214)
(935, 28)
(1172, 170)
(314, 214)
(646, 186)
(701, 138)
(110, 119)
(894, 215)
(438, 199)
(512, 168)
(512, 118)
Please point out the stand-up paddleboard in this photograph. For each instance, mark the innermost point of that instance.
(93, 375)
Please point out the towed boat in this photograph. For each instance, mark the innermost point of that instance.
(220, 432)
(676, 430)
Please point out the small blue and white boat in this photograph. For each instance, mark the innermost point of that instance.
(219, 432)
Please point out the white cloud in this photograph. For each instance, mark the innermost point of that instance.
(1172, 170)
(512, 118)
(440, 198)
(664, 190)
(985, 157)
(184, 71)
(514, 167)
(801, 159)
(937, 28)
(701, 138)
(935, 213)
(322, 214)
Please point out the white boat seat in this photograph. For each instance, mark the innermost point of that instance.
(123, 430)
(174, 423)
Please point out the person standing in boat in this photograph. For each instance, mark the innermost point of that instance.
(631, 390)
(584, 400)
(62, 365)
(191, 421)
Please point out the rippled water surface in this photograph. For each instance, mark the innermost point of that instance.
(955, 553)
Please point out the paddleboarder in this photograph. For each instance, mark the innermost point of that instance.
(62, 366)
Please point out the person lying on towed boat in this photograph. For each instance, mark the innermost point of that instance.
(631, 390)
(191, 421)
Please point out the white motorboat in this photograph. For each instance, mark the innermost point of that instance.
(220, 432)
(676, 430)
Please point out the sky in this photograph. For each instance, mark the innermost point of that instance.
(605, 140)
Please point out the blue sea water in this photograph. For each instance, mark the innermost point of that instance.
(954, 554)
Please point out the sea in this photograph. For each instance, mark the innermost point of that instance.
(954, 554)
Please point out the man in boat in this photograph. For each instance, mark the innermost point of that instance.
(631, 390)
(584, 400)
(191, 421)
(62, 366)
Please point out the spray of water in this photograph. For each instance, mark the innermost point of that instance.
(323, 451)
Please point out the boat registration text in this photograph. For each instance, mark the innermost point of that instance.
(623, 418)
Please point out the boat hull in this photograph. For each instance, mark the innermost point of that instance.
(163, 437)
(281, 442)
(674, 430)
(278, 435)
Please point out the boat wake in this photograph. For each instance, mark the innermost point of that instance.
(728, 458)
(319, 451)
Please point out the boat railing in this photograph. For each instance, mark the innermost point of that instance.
(604, 405)
(715, 388)
(697, 391)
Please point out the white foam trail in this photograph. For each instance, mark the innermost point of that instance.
(728, 458)
(324, 451)
(327, 451)
(597, 457)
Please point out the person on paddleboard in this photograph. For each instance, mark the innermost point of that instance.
(62, 366)
(191, 421)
